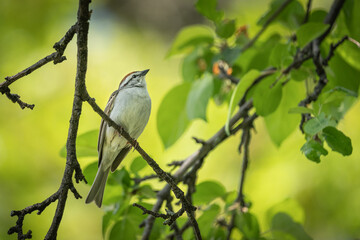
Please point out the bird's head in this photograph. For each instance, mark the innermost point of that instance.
(134, 79)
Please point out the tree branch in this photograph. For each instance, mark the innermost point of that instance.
(308, 9)
(72, 164)
(162, 174)
(266, 24)
(57, 57)
(244, 144)
(205, 149)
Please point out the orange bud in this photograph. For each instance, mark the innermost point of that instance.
(221, 64)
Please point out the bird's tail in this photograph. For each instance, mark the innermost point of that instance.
(97, 189)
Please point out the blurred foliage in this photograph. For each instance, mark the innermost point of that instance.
(290, 198)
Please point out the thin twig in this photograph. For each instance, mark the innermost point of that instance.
(239, 201)
(205, 149)
(333, 47)
(139, 180)
(179, 194)
(308, 9)
(266, 24)
(314, 48)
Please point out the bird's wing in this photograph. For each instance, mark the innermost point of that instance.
(122, 154)
(103, 125)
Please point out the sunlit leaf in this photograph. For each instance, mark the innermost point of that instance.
(225, 28)
(137, 164)
(337, 140)
(190, 37)
(280, 124)
(208, 9)
(309, 31)
(172, 119)
(207, 219)
(90, 172)
(313, 150)
(198, 98)
(280, 56)
(267, 97)
(238, 93)
(208, 191)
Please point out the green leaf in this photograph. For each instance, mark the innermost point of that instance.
(208, 191)
(230, 54)
(343, 74)
(172, 119)
(137, 164)
(267, 98)
(344, 90)
(280, 56)
(238, 94)
(317, 15)
(352, 17)
(190, 69)
(316, 124)
(106, 221)
(190, 37)
(114, 194)
(337, 141)
(225, 28)
(90, 172)
(208, 9)
(146, 191)
(86, 145)
(300, 74)
(259, 58)
(313, 150)
(301, 110)
(248, 225)
(284, 223)
(128, 226)
(309, 31)
(120, 177)
(280, 124)
(291, 17)
(207, 219)
(198, 98)
(289, 206)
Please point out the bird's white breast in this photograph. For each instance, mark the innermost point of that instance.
(131, 110)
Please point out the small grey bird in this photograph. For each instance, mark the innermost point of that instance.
(130, 107)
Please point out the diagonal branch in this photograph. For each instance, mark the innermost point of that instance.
(205, 149)
(56, 56)
(186, 205)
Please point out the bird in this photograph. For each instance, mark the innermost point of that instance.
(130, 107)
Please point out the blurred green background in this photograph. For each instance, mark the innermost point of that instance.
(133, 35)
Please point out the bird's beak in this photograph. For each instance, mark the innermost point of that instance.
(143, 73)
